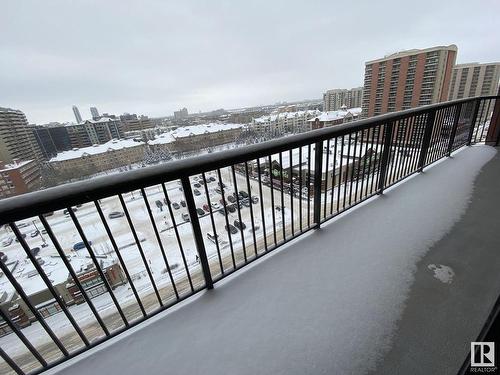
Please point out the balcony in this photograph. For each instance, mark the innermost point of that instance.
(325, 260)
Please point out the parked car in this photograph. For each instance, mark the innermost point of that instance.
(196, 192)
(176, 206)
(197, 185)
(7, 241)
(239, 225)
(159, 204)
(200, 211)
(221, 184)
(232, 229)
(34, 251)
(183, 203)
(80, 245)
(3, 257)
(116, 214)
(231, 199)
(277, 208)
(211, 179)
(221, 201)
(34, 233)
(218, 190)
(185, 216)
(215, 205)
(206, 208)
(231, 208)
(22, 225)
(255, 200)
(243, 194)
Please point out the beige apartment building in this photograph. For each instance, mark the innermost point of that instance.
(99, 158)
(333, 100)
(408, 79)
(17, 141)
(474, 79)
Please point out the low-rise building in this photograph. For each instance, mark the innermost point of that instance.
(277, 124)
(197, 137)
(98, 158)
(18, 177)
(331, 118)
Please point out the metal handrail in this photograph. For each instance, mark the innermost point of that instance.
(71, 194)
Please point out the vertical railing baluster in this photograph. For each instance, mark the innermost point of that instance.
(198, 237)
(10, 362)
(249, 188)
(388, 130)
(73, 274)
(217, 246)
(96, 264)
(6, 318)
(473, 121)
(454, 128)
(262, 205)
(429, 124)
(318, 171)
(119, 256)
(48, 283)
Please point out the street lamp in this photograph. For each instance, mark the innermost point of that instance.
(41, 236)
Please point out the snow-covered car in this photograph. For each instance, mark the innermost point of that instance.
(34, 233)
(116, 214)
(232, 229)
(255, 200)
(185, 216)
(216, 205)
(7, 241)
(200, 211)
(176, 206)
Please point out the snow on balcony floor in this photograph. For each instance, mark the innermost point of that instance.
(327, 303)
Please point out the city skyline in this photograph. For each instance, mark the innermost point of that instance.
(204, 57)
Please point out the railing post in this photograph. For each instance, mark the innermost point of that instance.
(198, 236)
(454, 129)
(318, 174)
(388, 134)
(493, 135)
(473, 122)
(429, 125)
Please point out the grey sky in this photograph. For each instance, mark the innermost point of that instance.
(153, 57)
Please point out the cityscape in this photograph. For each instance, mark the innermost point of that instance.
(109, 219)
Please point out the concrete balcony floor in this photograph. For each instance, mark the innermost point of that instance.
(401, 284)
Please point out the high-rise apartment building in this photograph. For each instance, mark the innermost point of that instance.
(334, 100)
(52, 139)
(469, 80)
(78, 117)
(17, 141)
(132, 122)
(94, 113)
(92, 132)
(408, 79)
(181, 114)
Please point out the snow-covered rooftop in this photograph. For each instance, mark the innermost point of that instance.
(114, 144)
(286, 115)
(15, 165)
(92, 121)
(336, 115)
(187, 131)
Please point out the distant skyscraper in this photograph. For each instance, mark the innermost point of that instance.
(181, 114)
(469, 80)
(78, 117)
(333, 100)
(94, 112)
(408, 79)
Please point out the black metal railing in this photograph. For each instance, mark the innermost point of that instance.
(85, 261)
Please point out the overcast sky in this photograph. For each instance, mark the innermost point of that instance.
(153, 57)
